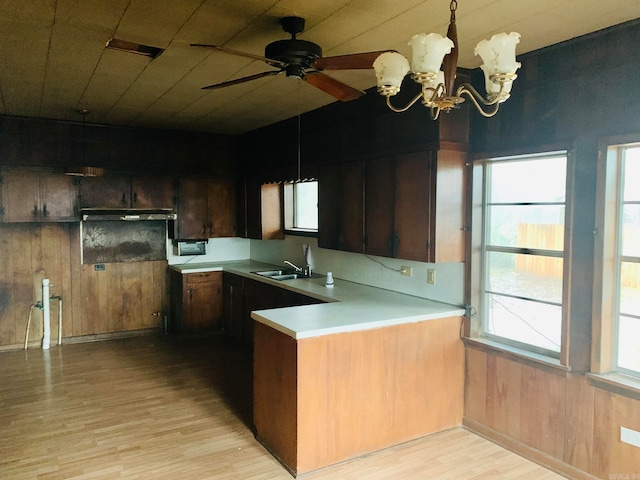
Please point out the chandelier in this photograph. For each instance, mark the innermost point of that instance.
(433, 51)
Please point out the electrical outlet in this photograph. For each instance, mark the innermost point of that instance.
(431, 276)
(406, 271)
(629, 436)
(99, 267)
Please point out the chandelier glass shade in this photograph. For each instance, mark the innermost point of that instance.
(433, 66)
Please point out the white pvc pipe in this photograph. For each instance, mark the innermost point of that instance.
(59, 321)
(46, 315)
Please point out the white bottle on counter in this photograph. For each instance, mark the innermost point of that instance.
(329, 281)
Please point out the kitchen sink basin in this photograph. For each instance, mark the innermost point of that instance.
(272, 273)
(283, 274)
(278, 274)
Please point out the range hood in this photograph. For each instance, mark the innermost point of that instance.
(127, 214)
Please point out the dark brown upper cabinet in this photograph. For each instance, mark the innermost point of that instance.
(124, 191)
(263, 210)
(29, 196)
(414, 206)
(206, 208)
(341, 207)
(408, 206)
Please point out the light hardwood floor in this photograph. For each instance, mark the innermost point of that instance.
(162, 408)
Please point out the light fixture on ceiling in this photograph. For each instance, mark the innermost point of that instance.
(437, 86)
(84, 170)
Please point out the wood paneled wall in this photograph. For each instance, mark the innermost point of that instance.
(50, 143)
(121, 298)
(555, 417)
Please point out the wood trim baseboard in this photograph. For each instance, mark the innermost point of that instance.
(526, 451)
(99, 337)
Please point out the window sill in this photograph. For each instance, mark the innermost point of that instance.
(619, 383)
(300, 232)
(519, 355)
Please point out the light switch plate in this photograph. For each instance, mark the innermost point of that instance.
(431, 276)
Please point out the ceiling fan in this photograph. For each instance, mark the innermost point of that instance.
(302, 59)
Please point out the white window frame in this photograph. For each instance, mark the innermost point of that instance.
(479, 251)
(608, 258)
(290, 207)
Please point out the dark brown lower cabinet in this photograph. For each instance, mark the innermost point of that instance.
(196, 302)
(243, 295)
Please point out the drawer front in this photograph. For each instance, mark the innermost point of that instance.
(204, 277)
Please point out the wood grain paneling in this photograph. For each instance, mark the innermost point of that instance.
(119, 299)
(356, 392)
(275, 392)
(559, 419)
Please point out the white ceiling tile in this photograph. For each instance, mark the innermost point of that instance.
(53, 60)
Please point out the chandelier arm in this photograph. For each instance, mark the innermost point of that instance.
(435, 112)
(479, 107)
(473, 93)
(405, 108)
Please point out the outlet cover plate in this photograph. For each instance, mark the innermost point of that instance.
(406, 271)
(629, 436)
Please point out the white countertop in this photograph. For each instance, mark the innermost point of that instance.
(350, 306)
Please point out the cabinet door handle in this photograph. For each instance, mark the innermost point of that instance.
(44, 210)
(124, 199)
(35, 210)
(135, 198)
(210, 229)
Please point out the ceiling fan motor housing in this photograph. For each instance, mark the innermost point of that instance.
(297, 54)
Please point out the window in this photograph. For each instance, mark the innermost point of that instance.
(624, 230)
(301, 206)
(520, 289)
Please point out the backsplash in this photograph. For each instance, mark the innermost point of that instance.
(449, 286)
(218, 250)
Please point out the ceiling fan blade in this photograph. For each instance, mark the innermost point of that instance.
(274, 63)
(333, 87)
(242, 80)
(356, 61)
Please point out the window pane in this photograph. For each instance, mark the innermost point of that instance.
(628, 344)
(631, 230)
(531, 276)
(529, 226)
(630, 289)
(306, 205)
(524, 321)
(632, 174)
(537, 180)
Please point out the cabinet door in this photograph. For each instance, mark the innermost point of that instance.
(59, 197)
(233, 305)
(20, 197)
(380, 181)
(264, 206)
(447, 236)
(193, 209)
(106, 192)
(341, 207)
(222, 207)
(203, 303)
(412, 209)
(152, 192)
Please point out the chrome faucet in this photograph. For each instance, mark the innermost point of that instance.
(306, 271)
(296, 268)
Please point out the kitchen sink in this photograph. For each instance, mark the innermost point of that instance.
(283, 274)
(278, 274)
